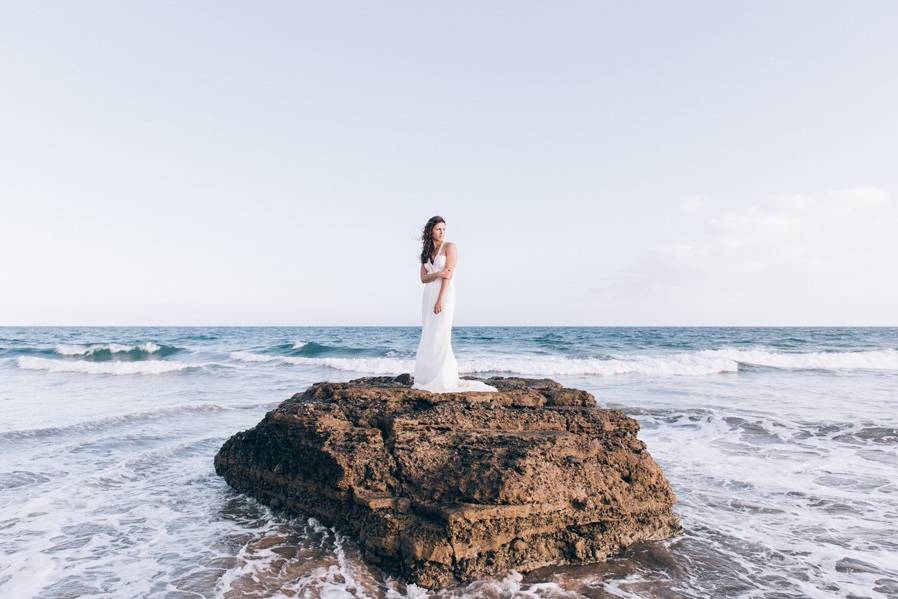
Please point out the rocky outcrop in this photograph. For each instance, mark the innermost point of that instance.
(444, 488)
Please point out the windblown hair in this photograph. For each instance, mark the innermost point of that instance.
(427, 238)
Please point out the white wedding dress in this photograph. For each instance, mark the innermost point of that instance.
(436, 369)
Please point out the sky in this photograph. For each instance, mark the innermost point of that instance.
(597, 163)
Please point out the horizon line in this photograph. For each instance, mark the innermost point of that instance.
(463, 326)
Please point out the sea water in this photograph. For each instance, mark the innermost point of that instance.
(781, 445)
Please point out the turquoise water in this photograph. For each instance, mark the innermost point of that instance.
(781, 443)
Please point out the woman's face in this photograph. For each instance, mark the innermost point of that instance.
(439, 230)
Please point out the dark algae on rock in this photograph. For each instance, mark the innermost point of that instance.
(445, 488)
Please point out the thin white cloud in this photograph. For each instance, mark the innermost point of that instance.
(824, 258)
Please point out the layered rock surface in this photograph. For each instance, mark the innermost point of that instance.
(444, 488)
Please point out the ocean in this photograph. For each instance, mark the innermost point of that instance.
(781, 444)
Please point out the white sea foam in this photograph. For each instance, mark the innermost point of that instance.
(680, 364)
(510, 585)
(122, 421)
(883, 359)
(145, 367)
(245, 356)
(671, 365)
(299, 344)
(372, 365)
(699, 363)
(115, 348)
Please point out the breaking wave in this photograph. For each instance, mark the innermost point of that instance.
(312, 349)
(100, 352)
(882, 359)
(108, 367)
(372, 365)
(700, 363)
(686, 364)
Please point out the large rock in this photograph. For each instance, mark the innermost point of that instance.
(444, 488)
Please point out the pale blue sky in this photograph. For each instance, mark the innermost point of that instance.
(598, 163)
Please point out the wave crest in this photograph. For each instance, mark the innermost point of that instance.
(372, 365)
(116, 351)
(684, 364)
(881, 359)
(108, 367)
(700, 363)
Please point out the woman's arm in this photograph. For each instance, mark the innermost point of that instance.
(451, 260)
(427, 277)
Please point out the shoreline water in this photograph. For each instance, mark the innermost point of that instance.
(784, 466)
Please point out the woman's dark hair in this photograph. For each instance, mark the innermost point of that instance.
(427, 237)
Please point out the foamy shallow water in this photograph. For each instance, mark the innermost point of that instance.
(782, 446)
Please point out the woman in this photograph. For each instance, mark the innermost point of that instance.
(435, 367)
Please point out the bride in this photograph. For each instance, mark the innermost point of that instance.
(435, 367)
